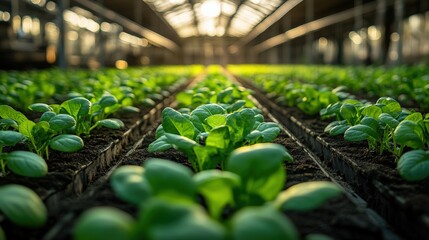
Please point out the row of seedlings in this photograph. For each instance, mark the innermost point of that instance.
(231, 184)
(396, 179)
(66, 138)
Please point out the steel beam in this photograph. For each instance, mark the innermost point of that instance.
(153, 37)
(265, 24)
(312, 26)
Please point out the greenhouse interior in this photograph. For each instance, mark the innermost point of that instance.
(214, 119)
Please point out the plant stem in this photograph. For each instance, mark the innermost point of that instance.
(3, 167)
(2, 162)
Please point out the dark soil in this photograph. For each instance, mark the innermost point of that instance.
(375, 166)
(338, 218)
(63, 166)
(368, 165)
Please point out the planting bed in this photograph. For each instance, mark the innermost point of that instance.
(79, 181)
(71, 173)
(404, 205)
(339, 218)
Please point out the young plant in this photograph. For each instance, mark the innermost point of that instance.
(50, 131)
(264, 184)
(166, 195)
(305, 197)
(208, 134)
(23, 163)
(414, 165)
(266, 222)
(83, 112)
(20, 162)
(22, 206)
(158, 178)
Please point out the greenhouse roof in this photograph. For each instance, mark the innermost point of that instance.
(235, 18)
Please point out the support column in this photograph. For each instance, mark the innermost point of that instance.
(286, 46)
(101, 45)
(339, 59)
(14, 11)
(309, 38)
(138, 11)
(358, 24)
(62, 5)
(379, 23)
(399, 16)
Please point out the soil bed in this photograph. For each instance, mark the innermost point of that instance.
(339, 218)
(375, 178)
(70, 173)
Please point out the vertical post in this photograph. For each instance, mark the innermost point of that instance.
(309, 38)
(138, 11)
(14, 11)
(379, 23)
(399, 15)
(286, 46)
(272, 53)
(62, 5)
(358, 24)
(340, 45)
(101, 45)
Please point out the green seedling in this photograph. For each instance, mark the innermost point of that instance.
(22, 206)
(208, 134)
(50, 131)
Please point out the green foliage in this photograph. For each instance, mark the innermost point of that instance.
(384, 125)
(254, 223)
(414, 165)
(104, 223)
(175, 123)
(25, 163)
(20, 162)
(158, 177)
(22, 206)
(262, 177)
(215, 88)
(130, 184)
(48, 132)
(304, 197)
(208, 134)
(181, 220)
(217, 188)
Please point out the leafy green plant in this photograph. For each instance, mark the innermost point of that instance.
(307, 196)
(208, 134)
(265, 222)
(217, 188)
(48, 132)
(166, 193)
(408, 84)
(263, 184)
(22, 206)
(241, 185)
(414, 165)
(159, 178)
(82, 113)
(104, 223)
(385, 126)
(215, 88)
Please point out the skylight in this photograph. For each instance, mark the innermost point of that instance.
(214, 17)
